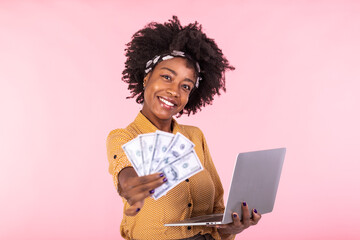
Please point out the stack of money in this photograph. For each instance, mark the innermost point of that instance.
(172, 155)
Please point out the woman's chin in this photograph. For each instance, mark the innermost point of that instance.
(165, 116)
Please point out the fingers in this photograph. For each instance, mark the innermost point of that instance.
(218, 226)
(134, 209)
(245, 215)
(247, 220)
(236, 220)
(212, 225)
(138, 188)
(239, 224)
(232, 228)
(256, 217)
(142, 191)
(137, 181)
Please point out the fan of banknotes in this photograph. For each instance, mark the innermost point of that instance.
(173, 155)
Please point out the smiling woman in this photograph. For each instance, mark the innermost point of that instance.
(171, 70)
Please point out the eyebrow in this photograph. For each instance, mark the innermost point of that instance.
(173, 72)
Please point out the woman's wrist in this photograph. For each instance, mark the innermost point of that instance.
(225, 236)
(124, 174)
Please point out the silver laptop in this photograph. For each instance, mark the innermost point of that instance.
(255, 181)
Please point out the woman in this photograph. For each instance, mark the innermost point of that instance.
(171, 70)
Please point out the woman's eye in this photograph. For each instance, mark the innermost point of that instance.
(167, 77)
(187, 87)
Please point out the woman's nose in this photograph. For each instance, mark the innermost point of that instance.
(173, 91)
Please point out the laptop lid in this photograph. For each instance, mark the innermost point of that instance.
(255, 181)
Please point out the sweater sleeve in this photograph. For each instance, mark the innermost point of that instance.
(115, 154)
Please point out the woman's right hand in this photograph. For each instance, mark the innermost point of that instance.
(135, 189)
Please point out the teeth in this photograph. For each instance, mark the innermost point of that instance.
(166, 102)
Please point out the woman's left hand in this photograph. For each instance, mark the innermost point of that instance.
(239, 224)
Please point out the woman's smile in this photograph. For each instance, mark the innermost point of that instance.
(167, 103)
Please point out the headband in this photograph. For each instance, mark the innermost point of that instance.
(175, 53)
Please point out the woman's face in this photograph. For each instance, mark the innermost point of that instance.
(167, 89)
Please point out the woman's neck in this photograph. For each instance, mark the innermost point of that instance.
(163, 125)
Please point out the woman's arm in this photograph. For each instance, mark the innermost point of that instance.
(131, 187)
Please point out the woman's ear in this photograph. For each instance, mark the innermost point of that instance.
(146, 78)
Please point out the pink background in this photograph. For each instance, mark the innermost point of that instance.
(296, 85)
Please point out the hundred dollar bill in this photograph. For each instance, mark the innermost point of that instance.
(162, 142)
(133, 152)
(147, 145)
(179, 146)
(179, 170)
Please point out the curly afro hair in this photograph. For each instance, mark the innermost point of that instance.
(156, 38)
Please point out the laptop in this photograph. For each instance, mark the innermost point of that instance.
(255, 181)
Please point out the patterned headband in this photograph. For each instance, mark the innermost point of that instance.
(158, 58)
